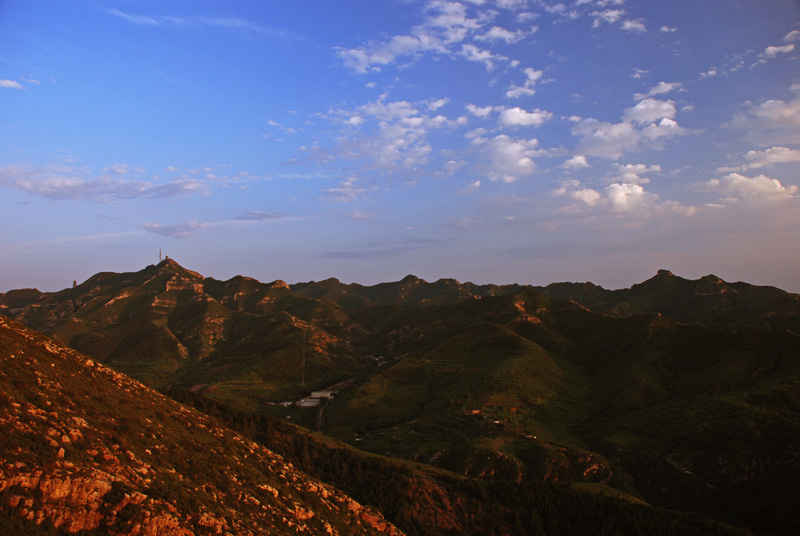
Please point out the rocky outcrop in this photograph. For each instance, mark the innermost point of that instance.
(84, 448)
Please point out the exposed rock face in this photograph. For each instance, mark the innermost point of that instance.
(85, 448)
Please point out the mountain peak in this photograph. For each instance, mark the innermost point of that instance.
(172, 266)
(168, 263)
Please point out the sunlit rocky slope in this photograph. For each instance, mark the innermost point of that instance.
(88, 450)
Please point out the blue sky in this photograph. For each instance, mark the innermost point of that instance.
(500, 141)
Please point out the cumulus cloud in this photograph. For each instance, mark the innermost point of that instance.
(773, 121)
(10, 84)
(527, 88)
(792, 36)
(496, 33)
(632, 173)
(517, 117)
(649, 122)
(604, 139)
(508, 159)
(473, 53)
(741, 186)
(620, 199)
(608, 15)
(479, 111)
(576, 162)
(617, 197)
(587, 195)
(179, 230)
(771, 156)
(773, 51)
(649, 110)
(64, 183)
(663, 130)
(635, 26)
(709, 73)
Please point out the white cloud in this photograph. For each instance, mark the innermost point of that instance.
(532, 76)
(622, 199)
(510, 158)
(512, 4)
(436, 104)
(649, 123)
(515, 117)
(631, 173)
(794, 35)
(479, 111)
(496, 33)
(709, 73)
(659, 89)
(607, 140)
(390, 134)
(668, 29)
(649, 110)
(576, 162)
(666, 128)
(635, 26)
(773, 51)
(346, 190)
(775, 121)
(587, 195)
(444, 24)
(761, 187)
(608, 15)
(773, 155)
(473, 53)
(171, 169)
(10, 84)
(64, 183)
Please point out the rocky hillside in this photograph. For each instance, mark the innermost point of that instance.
(87, 450)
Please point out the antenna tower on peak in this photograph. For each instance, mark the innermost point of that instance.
(159, 255)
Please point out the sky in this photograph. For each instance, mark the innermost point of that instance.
(492, 141)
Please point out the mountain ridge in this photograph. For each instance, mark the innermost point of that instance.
(569, 383)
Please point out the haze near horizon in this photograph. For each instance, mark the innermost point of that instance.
(492, 141)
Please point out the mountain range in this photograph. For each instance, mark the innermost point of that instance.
(674, 399)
